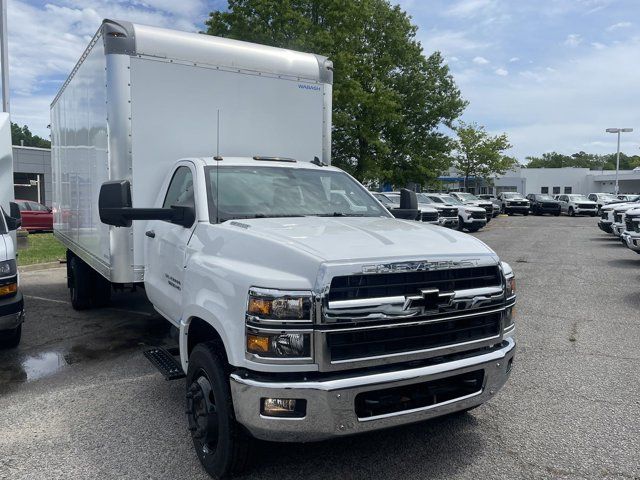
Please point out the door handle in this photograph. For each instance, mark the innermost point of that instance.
(150, 234)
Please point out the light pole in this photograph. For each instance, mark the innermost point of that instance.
(4, 55)
(618, 131)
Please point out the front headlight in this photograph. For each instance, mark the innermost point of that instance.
(279, 306)
(278, 344)
(8, 268)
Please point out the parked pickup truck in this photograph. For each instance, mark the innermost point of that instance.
(470, 217)
(543, 203)
(11, 302)
(494, 200)
(300, 318)
(631, 235)
(576, 204)
(392, 201)
(447, 214)
(471, 199)
(513, 202)
(618, 214)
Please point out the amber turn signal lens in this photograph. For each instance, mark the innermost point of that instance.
(259, 306)
(8, 289)
(257, 344)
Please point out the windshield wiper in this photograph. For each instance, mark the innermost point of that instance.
(338, 214)
(264, 215)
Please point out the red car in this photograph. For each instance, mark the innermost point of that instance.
(35, 216)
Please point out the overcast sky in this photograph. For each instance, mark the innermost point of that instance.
(552, 74)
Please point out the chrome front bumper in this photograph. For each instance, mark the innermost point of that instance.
(11, 312)
(331, 403)
(632, 241)
(476, 221)
(605, 227)
(448, 222)
(618, 228)
(585, 211)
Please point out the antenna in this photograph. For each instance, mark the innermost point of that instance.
(218, 135)
(217, 158)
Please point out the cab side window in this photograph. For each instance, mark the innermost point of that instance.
(180, 191)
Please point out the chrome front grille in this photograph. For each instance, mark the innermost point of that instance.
(371, 319)
(449, 212)
(478, 215)
(363, 286)
(429, 216)
(369, 343)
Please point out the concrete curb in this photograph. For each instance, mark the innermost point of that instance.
(40, 266)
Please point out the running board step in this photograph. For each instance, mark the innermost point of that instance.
(165, 361)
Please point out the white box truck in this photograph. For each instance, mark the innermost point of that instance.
(11, 301)
(200, 167)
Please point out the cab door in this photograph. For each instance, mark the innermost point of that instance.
(166, 247)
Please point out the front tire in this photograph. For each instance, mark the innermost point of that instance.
(11, 338)
(571, 212)
(460, 224)
(221, 443)
(526, 213)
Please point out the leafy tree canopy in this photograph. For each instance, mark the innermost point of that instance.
(478, 154)
(388, 98)
(583, 160)
(23, 134)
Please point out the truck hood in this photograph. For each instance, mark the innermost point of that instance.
(363, 238)
(478, 203)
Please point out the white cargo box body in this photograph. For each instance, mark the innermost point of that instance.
(141, 98)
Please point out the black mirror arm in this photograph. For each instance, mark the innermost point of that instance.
(141, 213)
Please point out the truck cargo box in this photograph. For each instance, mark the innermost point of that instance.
(141, 97)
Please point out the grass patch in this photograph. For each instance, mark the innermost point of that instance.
(42, 248)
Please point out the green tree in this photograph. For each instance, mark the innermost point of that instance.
(388, 98)
(23, 136)
(478, 154)
(583, 160)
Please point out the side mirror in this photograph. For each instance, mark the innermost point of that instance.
(408, 206)
(408, 199)
(14, 219)
(114, 207)
(115, 197)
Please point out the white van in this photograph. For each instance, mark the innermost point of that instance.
(11, 304)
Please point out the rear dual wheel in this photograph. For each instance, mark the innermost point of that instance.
(87, 288)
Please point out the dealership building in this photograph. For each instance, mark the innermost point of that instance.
(553, 181)
(32, 174)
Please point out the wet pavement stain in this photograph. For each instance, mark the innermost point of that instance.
(99, 342)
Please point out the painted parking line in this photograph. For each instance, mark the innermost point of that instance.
(121, 310)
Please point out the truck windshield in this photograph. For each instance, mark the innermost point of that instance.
(451, 200)
(383, 199)
(247, 191)
(467, 197)
(578, 198)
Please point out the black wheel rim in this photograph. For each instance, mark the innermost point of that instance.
(202, 413)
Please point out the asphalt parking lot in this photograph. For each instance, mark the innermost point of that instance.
(78, 399)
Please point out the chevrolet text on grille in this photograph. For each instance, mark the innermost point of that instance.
(425, 266)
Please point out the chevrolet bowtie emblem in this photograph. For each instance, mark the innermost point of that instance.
(429, 299)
